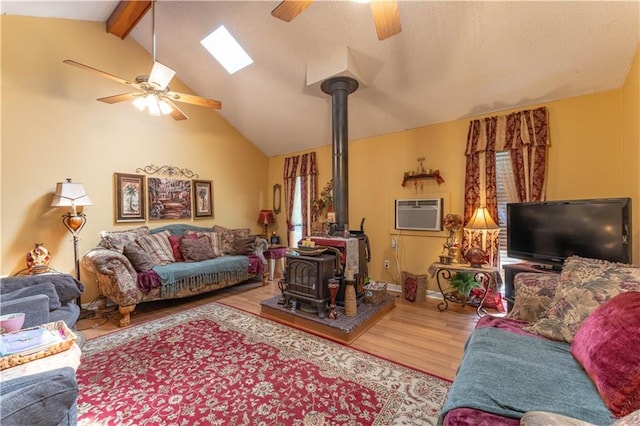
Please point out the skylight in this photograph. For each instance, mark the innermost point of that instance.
(226, 50)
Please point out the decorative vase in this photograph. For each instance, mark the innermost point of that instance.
(38, 259)
(350, 307)
(334, 285)
(476, 257)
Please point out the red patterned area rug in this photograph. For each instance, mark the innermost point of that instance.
(217, 365)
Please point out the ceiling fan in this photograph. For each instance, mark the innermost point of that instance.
(152, 92)
(385, 14)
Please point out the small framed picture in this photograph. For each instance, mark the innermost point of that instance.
(129, 197)
(202, 199)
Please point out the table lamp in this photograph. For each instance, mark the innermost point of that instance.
(480, 221)
(266, 218)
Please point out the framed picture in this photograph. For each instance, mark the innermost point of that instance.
(202, 199)
(129, 194)
(169, 198)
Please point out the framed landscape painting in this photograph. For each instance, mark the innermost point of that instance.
(129, 194)
(202, 199)
(169, 198)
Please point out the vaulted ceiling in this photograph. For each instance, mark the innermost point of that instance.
(451, 60)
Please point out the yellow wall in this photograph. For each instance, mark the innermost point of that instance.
(585, 161)
(53, 128)
(631, 145)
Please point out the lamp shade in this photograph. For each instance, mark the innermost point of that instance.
(266, 217)
(481, 219)
(70, 194)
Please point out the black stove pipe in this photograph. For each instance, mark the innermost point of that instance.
(340, 88)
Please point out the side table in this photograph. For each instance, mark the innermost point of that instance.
(488, 276)
(272, 254)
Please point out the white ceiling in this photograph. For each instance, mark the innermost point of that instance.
(451, 60)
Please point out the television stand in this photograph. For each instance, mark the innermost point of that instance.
(510, 271)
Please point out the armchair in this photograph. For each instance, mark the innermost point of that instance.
(47, 397)
(43, 298)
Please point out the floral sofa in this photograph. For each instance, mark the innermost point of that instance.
(567, 353)
(172, 261)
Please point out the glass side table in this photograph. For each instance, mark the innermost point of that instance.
(488, 277)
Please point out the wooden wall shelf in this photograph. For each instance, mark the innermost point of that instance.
(435, 175)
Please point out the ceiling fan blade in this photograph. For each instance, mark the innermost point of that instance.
(161, 75)
(119, 98)
(289, 9)
(176, 112)
(386, 17)
(195, 100)
(101, 73)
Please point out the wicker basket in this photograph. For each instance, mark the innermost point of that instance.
(375, 293)
(68, 339)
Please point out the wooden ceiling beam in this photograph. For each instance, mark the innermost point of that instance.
(126, 16)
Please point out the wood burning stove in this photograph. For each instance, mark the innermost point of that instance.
(307, 280)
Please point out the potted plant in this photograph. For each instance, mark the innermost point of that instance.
(463, 283)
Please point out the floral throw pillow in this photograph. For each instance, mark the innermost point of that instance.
(584, 285)
(534, 293)
(116, 240)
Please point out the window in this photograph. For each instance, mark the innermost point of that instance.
(297, 214)
(506, 193)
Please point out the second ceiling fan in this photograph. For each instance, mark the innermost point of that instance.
(385, 14)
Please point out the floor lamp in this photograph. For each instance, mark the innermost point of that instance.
(71, 194)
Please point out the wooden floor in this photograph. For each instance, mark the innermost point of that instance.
(414, 334)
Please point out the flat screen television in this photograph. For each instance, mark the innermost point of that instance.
(548, 232)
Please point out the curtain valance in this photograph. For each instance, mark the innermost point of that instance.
(508, 132)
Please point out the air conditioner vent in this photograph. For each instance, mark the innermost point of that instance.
(419, 214)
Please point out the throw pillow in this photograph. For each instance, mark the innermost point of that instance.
(174, 240)
(116, 240)
(229, 235)
(214, 238)
(158, 247)
(243, 246)
(140, 259)
(196, 249)
(534, 293)
(607, 347)
(584, 285)
(414, 286)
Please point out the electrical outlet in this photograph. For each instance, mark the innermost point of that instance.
(394, 243)
(386, 264)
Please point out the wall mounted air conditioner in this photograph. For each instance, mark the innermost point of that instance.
(419, 214)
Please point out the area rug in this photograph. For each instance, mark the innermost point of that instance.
(217, 365)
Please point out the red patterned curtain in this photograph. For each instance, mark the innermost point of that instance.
(309, 188)
(526, 137)
(289, 176)
(525, 134)
(480, 182)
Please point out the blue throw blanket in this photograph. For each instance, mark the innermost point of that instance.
(509, 374)
(180, 276)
